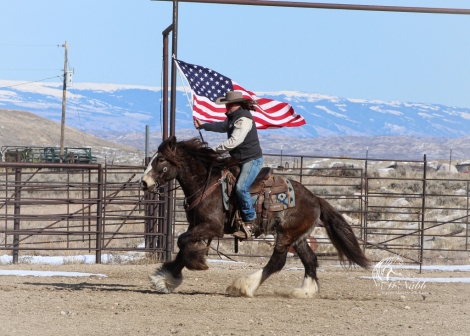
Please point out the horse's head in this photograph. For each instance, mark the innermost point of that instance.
(162, 168)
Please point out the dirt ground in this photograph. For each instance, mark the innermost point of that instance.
(123, 303)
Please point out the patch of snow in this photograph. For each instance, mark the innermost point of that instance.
(378, 109)
(311, 97)
(224, 261)
(425, 115)
(396, 128)
(465, 115)
(60, 260)
(327, 110)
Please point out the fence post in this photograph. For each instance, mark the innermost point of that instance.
(16, 221)
(366, 205)
(169, 224)
(99, 213)
(423, 209)
(466, 227)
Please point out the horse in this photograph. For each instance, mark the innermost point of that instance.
(197, 168)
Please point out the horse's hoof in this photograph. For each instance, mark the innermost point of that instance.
(164, 281)
(308, 290)
(245, 286)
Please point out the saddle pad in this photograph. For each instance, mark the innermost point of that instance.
(287, 198)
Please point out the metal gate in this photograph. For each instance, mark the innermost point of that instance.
(79, 208)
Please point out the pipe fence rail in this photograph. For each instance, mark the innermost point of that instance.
(411, 209)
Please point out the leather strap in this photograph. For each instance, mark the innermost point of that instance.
(206, 193)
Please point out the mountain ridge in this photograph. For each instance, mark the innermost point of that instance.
(114, 107)
(335, 126)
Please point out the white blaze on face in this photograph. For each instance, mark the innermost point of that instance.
(148, 169)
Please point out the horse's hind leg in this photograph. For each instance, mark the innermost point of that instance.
(310, 284)
(247, 286)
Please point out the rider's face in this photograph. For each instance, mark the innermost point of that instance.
(231, 107)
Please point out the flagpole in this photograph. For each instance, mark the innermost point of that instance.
(184, 88)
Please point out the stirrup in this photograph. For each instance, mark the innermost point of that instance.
(245, 231)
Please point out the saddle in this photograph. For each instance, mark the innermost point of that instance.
(265, 188)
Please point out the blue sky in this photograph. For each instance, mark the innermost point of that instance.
(369, 55)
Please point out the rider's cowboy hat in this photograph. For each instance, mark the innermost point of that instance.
(231, 97)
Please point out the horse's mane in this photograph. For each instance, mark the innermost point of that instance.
(177, 152)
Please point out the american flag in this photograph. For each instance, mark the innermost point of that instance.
(207, 85)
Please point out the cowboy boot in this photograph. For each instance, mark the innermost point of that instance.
(245, 231)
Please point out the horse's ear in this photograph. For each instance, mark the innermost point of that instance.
(172, 142)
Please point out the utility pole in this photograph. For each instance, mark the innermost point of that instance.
(64, 99)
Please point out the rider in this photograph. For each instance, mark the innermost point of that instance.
(242, 143)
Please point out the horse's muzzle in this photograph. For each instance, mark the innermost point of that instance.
(143, 185)
(148, 184)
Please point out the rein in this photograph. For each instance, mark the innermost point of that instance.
(217, 250)
(207, 192)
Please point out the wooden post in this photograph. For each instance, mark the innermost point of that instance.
(64, 100)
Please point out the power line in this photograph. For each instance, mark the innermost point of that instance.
(30, 45)
(30, 69)
(40, 80)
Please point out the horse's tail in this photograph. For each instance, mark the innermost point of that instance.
(342, 236)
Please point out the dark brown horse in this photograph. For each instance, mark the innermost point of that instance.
(197, 167)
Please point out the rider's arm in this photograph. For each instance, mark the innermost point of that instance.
(218, 126)
(241, 128)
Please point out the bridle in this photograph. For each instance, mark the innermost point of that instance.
(206, 190)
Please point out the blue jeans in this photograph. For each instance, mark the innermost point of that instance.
(248, 173)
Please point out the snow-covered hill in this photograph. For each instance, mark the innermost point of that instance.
(126, 108)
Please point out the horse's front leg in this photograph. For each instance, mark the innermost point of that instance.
(168, 276)
(191, 255)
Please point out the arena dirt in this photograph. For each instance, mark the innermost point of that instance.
(123, 303)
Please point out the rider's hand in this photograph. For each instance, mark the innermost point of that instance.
(197, 123)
